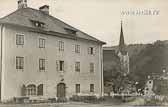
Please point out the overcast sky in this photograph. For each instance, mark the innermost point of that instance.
(101, 18)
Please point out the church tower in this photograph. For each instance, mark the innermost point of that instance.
(121, 42)
(123, 53)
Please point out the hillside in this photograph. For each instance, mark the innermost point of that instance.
(145, 59)
(152, 59)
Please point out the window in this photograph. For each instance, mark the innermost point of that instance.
(41, 64)
(19, 39)
(150, 82)
(77, 66)
(19, 63)
(91, 87)
(40, 90)
(61, 46)
(77, 86)
(91, 67)
(77, 48)
(91, 50)
(38, 24)
(61, 65)
(41, 43)
(31, 90)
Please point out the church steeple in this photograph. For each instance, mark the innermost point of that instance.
(121, 42)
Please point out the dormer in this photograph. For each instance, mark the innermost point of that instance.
(38, 24)
(70, 31)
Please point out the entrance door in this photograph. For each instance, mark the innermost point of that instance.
(61, 90)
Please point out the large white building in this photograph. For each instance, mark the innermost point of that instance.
(42, 56)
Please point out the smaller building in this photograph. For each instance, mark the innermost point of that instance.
(157, 84)
(148, 91)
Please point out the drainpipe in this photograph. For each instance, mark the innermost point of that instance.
(102, 79)
(2, 26)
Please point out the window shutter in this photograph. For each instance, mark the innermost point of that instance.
(89, 50)
(94, 51)
(22, 63)
(40, 90)
(64, 66)
(57, 65)
(23, 90)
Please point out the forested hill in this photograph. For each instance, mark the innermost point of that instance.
(152, 59)
(145, 59)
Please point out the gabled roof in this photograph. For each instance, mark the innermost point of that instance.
(24, 17)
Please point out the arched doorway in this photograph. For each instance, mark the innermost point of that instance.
(61, 90)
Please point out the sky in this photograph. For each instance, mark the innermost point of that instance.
(144, 21)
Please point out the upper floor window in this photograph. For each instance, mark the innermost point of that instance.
(91, 87)
(60, 65)
(61, 46)
(91, 50)
(77, 66)
(91, 67)
(19, 62)
(77, 48)
(19, 39)
(41, 43)
(77, 88)
(41, 64)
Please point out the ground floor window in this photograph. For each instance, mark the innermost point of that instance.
(40, 90)
(77, 88)
(91, 87)
(31, 90)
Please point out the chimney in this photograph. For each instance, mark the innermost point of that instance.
(44, 9)
(22, 4)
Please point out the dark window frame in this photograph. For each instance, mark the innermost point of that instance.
(31, 90)
(40, 90)
(92, 67)
(77, 48)
(19, 63)
(77, 88)
(20, 39)
(61, 46)
(91, 50)
(77, 66)
(61, 65)
(42, 43)
(42, 64)
(92, 87)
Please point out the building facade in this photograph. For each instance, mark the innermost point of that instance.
(44, 57)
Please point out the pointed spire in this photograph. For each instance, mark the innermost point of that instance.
(121, 43)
